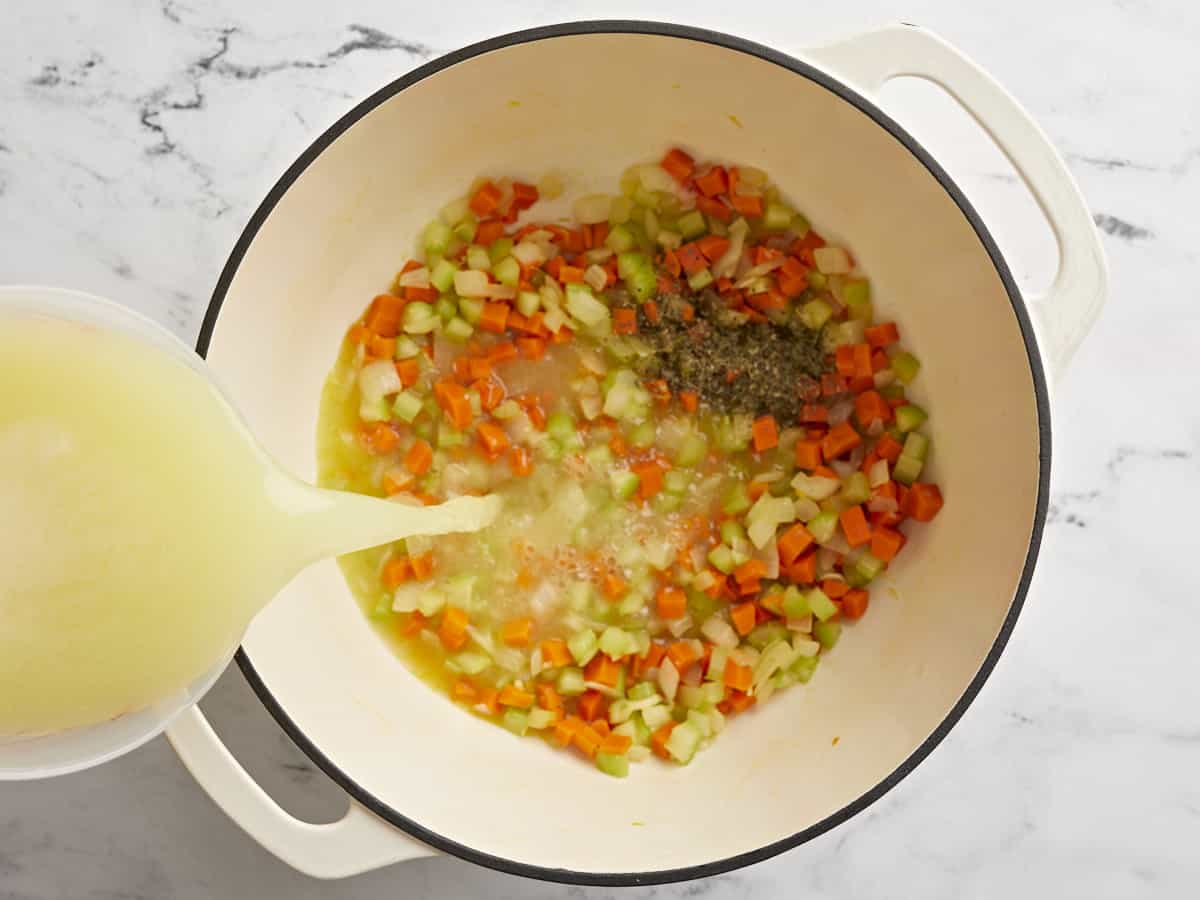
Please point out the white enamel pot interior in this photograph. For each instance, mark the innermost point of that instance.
(338, 225)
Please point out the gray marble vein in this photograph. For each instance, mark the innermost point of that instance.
(137, 137)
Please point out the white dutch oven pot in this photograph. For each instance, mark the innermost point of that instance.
(592, 98)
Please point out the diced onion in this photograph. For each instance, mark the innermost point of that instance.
(878, 474)
(596, 277)
(498, 292)
(415, 278)
(471, 283)
(668, 680)
(832, 260)
(593, 208)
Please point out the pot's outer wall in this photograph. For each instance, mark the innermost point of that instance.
(343, 219)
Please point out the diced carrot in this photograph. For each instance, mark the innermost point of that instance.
(650, 478)
(359, 334)
(714, 181)
(713, 246)
(682, 655)
(565, 730)
(625, 321)
(854, 525)
(749, 206)
(589, 704)
(888, 448)
(843, 358)
(453, 630)
(520, 460)
(588, 740)
(808, 454)
(409, 371)
(869, 406)
(517, 632)
(854, 604)
(413, 293)
(463, 691)
(494, 317)
(511, 695)
(502, 352)
(691, 258)
(687, 312)
(478, 367)
(738, 677)
(678, 164)
(419, 457)
(384, 316)
(842, 438)
(488, 231)
(555, 652)
(490, 393)
(533, 408)
(397, 480)
(742, 617)
(492, 438)
(570, 275)
(547, 696)
(835, 588)
(603, 670)
(531, 347)
(923, 501)
(766, 433)
(650, 310)
(554, 266)
(614, 586)
(524, 195)
(413, 625)
(715, 207)
(756, 489)
(615, 743)
(792, 277)
(886, 543)
(740, 702)
(462, 369)
(422, 565)
(814, 414)
(751, 570)
(658, 740)
(452, 398)
(792, 543)
(879, 361)
(803, 570)
(671, 603)
(397, 571)
(381, 347)
(690, 400)
(379, 438)
(882, 335)
(485, 199)
(862, 361)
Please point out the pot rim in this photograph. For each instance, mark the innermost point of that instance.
(1042, 399)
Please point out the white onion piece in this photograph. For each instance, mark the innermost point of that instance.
(843, 468)
(595, 277)
(679, 627)
(883, 505)
(832, 260)
(806, 509)
(840, 411)
(856, 457)
(499, 292)
(725, 266)
(591, 405)
(415, 278)
(593, 361)
(593, 208)
(654, 178)
(529, 253)
(884, 377)
(470, 283)
(758, 271)
(668, 679)
(769, 554)
(826, 560)
(878, 474)
(719, 632)
(378, 379)
(875, 429)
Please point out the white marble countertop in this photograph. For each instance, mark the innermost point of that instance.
(136, 136)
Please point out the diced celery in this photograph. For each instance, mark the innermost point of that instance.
(599, 457)
(737, 500)
(469, 662)
(406, 347)
(407, 406)
(479, 259)
(762, 636)
(442, 276)
(856, 489)
(700, 721)
(910, 417)
(449, 437)
(692, 449)
(614, 764)
(431, 603)
(528, 302)
(445, 309)
(456, 211)
(471, 309)
(823, 526)
(437, 238)
(584, 306)
(383, 607)
(620, 210)
(550, 450)
(803, 668)
(868, 566)
(541, 718)
(777, 217)
(509, 409)
(691, 224)
(465, 230)
(560, 425)
(656, 717)
(458, 330)
(916, 446)
(733, 433)
(667, 503)
(716, 664)
(721, 558)
(820, 604)
(616, 643)
(700, 280)
(583, 645)
(800, 224)
(676, 481)
(795, 603)
(815, 313)
(620, 239)
(461, 590)
(500, 248)
(643, 690)
(856, 294)
(624, 483)
(701, 606)
(419, 318)
(507, 271)
(906, 366)
(907, 469)
(516, 721)
(827, 633)
(731, 531)
(570, 682)
(643, 435)
(684, 740)
(817, 281)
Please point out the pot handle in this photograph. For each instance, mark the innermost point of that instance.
(357, 842)
(1068, 310)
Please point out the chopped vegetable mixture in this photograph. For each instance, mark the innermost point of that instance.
(700, 433)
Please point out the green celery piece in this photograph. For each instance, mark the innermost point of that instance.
(910, 418)
(437, 238)
(737, 500)
(614, 764)
(583, 645)
(458, 330)
(499, 249)
(692, 450)
(820, 604)
(827, 633)
(516, 721)
(570, 682)
(471, 309)
(442, 276)
(907, 469)
(721, 559)
(906, 366)
(691, 225)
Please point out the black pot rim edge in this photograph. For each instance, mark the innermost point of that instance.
(802, 69)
